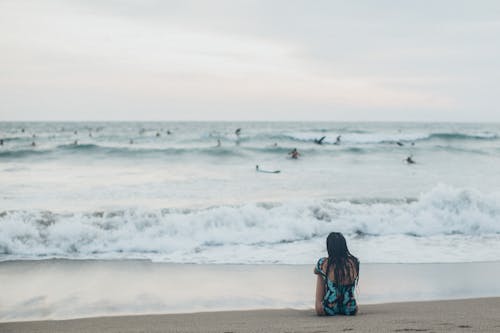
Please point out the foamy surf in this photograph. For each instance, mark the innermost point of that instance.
(285, 232)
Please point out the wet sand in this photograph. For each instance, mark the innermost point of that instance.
(471, 315)
(72, 289)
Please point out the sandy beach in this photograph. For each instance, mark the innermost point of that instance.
(471, 315)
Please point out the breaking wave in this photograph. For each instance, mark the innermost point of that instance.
(192, 234)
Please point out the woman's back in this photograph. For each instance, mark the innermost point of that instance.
(339, 290)
(337, 278)
(349, 269)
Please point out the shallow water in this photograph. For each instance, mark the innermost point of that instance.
(62, 289)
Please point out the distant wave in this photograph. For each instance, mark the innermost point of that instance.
(187, 233)
(463, 136)
(350, 136)
(120, 151)
(127, 151)
(266, 142)
(15, 138)
(22, 153)
(380, 138)
(87, 146)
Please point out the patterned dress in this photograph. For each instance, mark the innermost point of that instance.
(338, 299)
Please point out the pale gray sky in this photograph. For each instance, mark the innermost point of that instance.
(250, 60)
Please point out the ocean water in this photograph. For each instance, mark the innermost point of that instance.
(165, 191)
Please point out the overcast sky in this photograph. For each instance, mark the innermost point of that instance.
(250, 60)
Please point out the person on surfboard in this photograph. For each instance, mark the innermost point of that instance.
(265, 171)
(320, 140)
(410, 160)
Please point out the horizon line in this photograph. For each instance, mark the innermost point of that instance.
(258, 121)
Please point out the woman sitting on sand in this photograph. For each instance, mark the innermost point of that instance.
(337, 279)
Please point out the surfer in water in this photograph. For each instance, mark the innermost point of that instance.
(410, 160)
(294, 153)
(218, 143)
(237, 132)
(337, 141)
(33, 144)
(265, 171)
(320, 140)
(399, 143)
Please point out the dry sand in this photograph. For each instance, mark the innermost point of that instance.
(471, 315)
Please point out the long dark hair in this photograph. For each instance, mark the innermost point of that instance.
(345, 265)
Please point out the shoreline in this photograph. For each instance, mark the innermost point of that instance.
(68, 289)
(104, 260)
(467, 315)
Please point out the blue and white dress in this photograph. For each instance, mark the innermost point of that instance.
(338, 299)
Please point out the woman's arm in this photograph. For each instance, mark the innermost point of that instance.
(320, 293)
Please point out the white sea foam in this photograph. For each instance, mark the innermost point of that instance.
(288, 232)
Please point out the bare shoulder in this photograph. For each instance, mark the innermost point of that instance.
(324, 264)
(320, 265)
